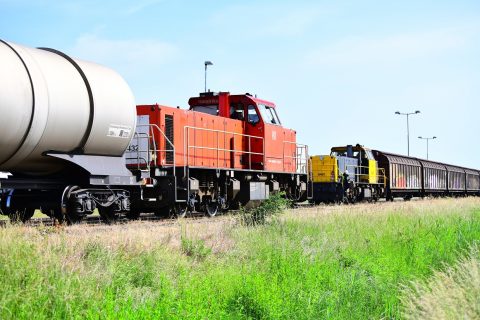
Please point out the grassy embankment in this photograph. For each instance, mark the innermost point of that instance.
(348, 262)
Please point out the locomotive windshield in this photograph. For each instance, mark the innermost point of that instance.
(269, 114)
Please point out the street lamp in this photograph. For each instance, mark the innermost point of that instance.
(408, 127)
(431, 138)
(207, 63)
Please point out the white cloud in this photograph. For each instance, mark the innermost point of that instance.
(132, 58)
(364, 50)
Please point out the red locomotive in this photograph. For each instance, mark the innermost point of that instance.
(225, 151)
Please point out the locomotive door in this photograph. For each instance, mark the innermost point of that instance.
(254, 142)
(275, 136)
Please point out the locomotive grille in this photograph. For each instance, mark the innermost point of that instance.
(169, 135)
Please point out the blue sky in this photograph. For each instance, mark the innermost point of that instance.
(337, 70)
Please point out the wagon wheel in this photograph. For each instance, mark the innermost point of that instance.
(55, 214)
(108, 214)
(68, 206)
(22, 215)
(211, 208)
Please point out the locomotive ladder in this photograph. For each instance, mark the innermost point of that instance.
(146, 152)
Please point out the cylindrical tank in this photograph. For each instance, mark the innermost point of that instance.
(50, 102)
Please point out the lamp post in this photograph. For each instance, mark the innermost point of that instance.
(207, 63)
(408, 127)
(430, 138)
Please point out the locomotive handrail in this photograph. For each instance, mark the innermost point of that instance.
(218, 148)
(381, 178)
(150, 139)
(302, 165)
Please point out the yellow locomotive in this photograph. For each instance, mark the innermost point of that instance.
(349, 174)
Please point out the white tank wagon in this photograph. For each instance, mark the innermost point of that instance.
(64, 127)
(51, 103)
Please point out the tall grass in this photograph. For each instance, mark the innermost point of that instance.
(327, 262)
(450, 294)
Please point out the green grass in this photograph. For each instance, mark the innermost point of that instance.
(333, 262)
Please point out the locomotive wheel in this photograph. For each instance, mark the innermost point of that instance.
(22, 215)
(107, 214)
(211, 208)
(181, 210)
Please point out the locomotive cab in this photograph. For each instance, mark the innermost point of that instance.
(270, 146)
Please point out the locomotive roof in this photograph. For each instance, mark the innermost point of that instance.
(212, 97)
(354, 148)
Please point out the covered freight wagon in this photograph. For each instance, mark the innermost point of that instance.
(456, 179)
(472, 181)
(434, 177)
(403, 174)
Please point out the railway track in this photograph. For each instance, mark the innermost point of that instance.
(97, 220)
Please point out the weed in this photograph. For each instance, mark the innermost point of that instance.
(195, 248)
(267, 211)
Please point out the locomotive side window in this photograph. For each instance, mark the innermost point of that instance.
(269, 114)
(209, 109)
(252, 115)
(236, 111)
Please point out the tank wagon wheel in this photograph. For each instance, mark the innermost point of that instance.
(108, 214)
(55, 214)
(68, 206)
(21, 215)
